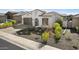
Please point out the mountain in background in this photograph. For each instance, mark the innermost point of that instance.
(60, 11)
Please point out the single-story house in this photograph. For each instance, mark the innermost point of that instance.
(10, 14)
(71, 21)
(40, 18)
(67, 21)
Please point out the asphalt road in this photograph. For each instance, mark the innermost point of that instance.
(4, 45)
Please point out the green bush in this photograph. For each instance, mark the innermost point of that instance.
(13, 21)
(60, 22)
(7, 24)
(56, 25)
(4, 25)
(0, 26)
(57, 31)
(10, 24)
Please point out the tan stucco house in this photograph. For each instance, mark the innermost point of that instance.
(40, 18)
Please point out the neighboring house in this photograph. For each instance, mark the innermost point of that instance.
(67, 21)
(40, 18)
(18, 17)
(75, 20)
(10, 14)
(2, 18)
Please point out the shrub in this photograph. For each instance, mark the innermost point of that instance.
(57, 35)
(60, 22)
(7, 24)
(0, 26)
(13, 21)
(4, 25)
(10, 24)
(57, 31)
(56, 25)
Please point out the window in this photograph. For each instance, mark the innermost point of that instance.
(45, 21)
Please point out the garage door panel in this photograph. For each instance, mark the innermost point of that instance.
(28, 21)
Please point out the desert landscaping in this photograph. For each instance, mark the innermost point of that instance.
(30, 25)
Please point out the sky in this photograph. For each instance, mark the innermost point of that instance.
(61, 11)
(62, 7)
(65, 11)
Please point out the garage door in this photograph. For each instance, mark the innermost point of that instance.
(28, 21)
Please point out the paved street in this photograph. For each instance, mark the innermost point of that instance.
(4, 45)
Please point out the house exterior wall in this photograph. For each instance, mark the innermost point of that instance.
(18, 19)
(75, 21)
(53, 19)
(40, 21)
(35, 14)
(65, 23)
(3, 18)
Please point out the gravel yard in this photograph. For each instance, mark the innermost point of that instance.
(69, 41)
